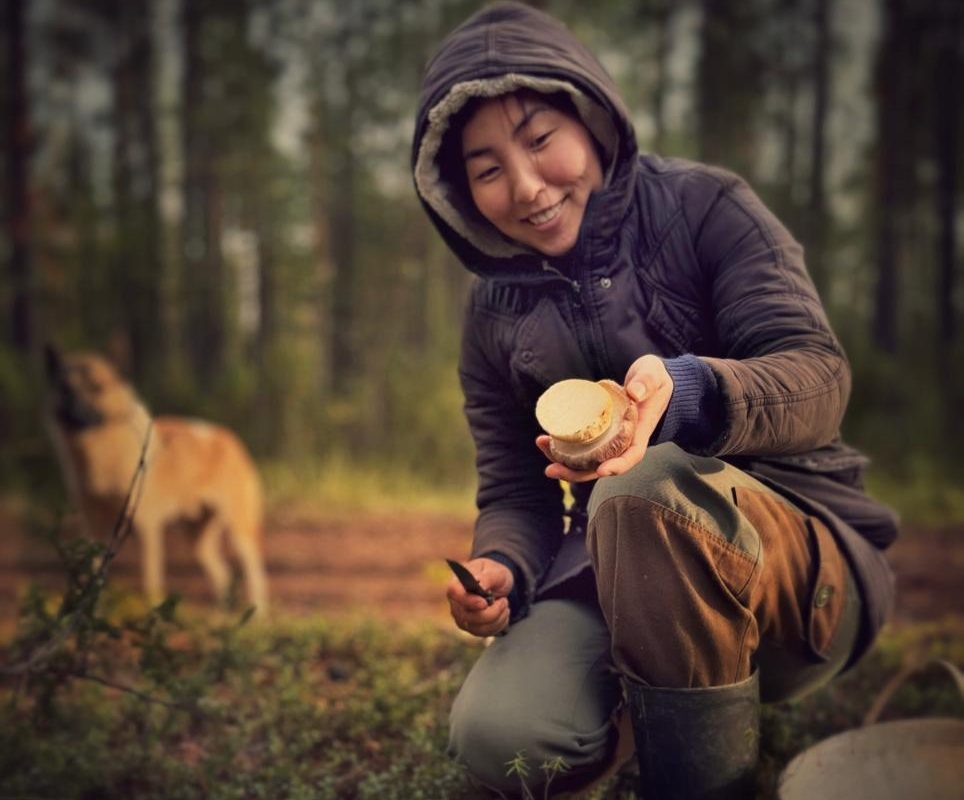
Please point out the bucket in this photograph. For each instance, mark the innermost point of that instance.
(899, 760)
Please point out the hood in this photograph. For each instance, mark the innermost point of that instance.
(505, 47)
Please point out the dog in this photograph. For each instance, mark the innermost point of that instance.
(198, 475)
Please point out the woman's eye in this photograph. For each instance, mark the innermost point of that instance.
(540, 141)
(487, 173)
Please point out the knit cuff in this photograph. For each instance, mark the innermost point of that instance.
(518, 581)
(694, 413)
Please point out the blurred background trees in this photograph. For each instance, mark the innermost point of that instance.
(217, 192)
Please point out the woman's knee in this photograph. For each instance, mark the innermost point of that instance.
(659, 477)
(488, 737)
(544, 692)
(695, 490)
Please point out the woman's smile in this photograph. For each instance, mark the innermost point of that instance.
(542, 218)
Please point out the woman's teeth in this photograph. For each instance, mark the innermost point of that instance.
(545, 216)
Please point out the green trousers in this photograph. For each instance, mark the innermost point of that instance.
(701, 574)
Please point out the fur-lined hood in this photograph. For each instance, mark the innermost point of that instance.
(503, 48)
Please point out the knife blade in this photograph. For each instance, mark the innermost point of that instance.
(468, 581)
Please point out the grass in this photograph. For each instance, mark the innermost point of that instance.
(348, 709)
(356, 708)
(922, 495)
(303, 709)
(337, 486)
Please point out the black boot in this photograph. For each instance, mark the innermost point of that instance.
(697, 744)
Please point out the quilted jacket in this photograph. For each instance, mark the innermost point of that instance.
(674, 258)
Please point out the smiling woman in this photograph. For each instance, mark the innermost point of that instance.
(531, 167)
(727, 552)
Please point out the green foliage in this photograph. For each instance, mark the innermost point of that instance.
(921, 490)
(549, 769)
(303, 709)
(338, 484)
(97, 699)
(316, 708)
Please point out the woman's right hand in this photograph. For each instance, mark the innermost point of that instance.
(471, 612)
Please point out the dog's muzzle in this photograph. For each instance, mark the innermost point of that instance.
(74, 414)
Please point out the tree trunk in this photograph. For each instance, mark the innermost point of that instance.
(731, 79)
(817, 217)
(888, 169)
(663, 24)
(147, 332)
(345, 279)
(268, 288)
(320, 215)
(202, 283)
(138, 268)
(949, 69)
(21, 310)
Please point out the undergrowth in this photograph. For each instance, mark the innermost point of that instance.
(347, 709)
(100, 698)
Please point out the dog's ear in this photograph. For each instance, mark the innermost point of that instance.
(118, 351)
(53, 362)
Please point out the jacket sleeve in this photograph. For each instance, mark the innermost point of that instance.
(520, 509)
(782, 377)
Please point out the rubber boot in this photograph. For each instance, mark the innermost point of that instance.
(697, 744)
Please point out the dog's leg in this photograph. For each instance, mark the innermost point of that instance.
(210, 554)
(152, 560)
(247, 544)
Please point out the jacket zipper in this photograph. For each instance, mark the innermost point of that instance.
(574, 284)
(584, 339)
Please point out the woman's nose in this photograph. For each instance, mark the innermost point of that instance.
(527, 182)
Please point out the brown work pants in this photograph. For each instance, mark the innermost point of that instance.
(702, 572)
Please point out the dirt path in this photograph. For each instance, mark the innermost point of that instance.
(392, 566)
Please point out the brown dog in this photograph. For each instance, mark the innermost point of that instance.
(198, 474)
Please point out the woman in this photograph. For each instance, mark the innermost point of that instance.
(730, 554)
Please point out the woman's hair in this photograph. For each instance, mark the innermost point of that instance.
(450, 159)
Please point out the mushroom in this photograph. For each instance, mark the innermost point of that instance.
(587, 422)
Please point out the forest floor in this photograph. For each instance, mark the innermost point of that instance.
(338, 696)
(391, 566)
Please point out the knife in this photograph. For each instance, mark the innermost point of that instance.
(468, 581)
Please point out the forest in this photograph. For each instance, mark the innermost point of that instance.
(217, 193)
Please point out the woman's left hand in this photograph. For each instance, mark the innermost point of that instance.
(650, 386)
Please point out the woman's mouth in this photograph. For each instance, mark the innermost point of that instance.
(546, 215)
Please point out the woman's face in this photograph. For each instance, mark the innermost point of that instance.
(531, 169)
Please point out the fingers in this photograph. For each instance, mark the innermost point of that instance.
(623, 463)
(637, 390)
(650, 386)
(491, 575)
(561, 472)
(473, 615)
